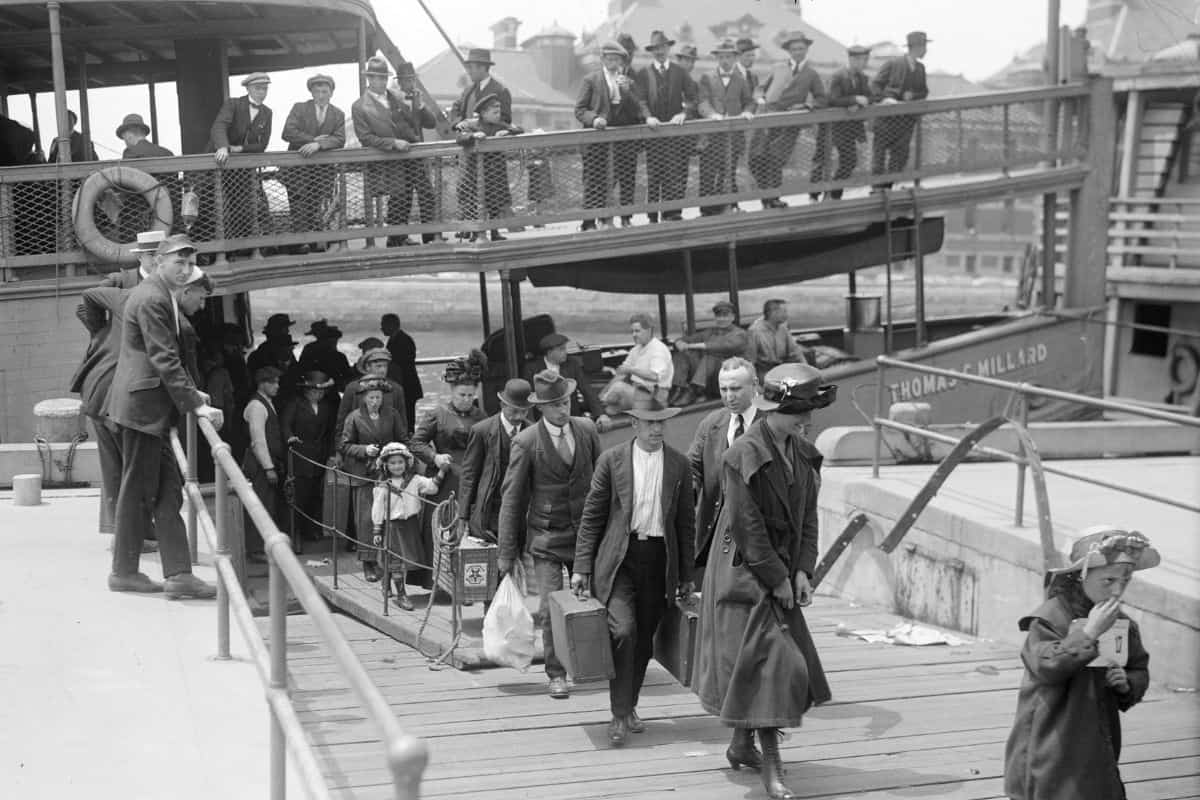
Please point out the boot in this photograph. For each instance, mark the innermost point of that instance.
(401, 593)
(772, 769)
(741, 751)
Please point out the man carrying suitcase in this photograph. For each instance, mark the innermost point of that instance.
(635, 549)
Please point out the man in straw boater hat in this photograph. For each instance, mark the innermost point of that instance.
(635, 549)
(849, 88)
(243, 125)
(312, 126)
(486, 461)
(793, 85)
(383, 121)
(482, 83)
(607, 98)
(899, 80)
(665, 94)
(756, 666)
(724, 94)
(549, 472)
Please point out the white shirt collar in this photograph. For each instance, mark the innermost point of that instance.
(380, 97)
(747, 418)
(552, 367)
(797, 66)
(554, 430)
(142, 272)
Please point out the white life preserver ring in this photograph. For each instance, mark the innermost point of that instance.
(131, 180)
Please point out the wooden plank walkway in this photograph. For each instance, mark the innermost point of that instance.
(905, 722)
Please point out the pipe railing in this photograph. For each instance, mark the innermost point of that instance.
(1023, 392)
(404, 754)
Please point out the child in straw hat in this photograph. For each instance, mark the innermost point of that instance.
(396, 508)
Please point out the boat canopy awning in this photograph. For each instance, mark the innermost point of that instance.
(127, 43)
(760, 264)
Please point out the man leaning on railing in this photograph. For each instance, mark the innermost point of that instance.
(900, 79)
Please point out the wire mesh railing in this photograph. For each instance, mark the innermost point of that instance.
(258, 204)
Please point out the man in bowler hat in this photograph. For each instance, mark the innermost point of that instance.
(312, 126)
(549, 472)
(486, 461)
(482, 83)
(899, 80)
(635, 550)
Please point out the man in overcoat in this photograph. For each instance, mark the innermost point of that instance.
(756, 666)
(793, 85)
(899, 80)
(486, 461)
(635, 550)
(549, 472)
(149, 393)
(243, 125)
(403, 369)
(849, 89)
(312, 126)
(725, 93)
(608, 99)
(385, 122)
(308, 428)
(665, 94)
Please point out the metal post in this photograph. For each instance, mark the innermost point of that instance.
(734, 289)
(58, 70)
(1049, 249)
(662, 314)
(689, 295)
(362, 55)
(85, 115)
(153, 112)
(880, 388)
(918, 272)
(519, 327)
(1050, 201)
(221, 487)
(485, 312)
(278, 594)
(1022, 420)
(510, 333)
(193, 454)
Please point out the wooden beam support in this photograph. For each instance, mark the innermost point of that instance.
(689, 295)
(266, 26)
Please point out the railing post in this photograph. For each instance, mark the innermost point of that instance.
(221, 487)
(219, 214)
(880, 388)
(1022, 419)
(278, 603)
(193, 453)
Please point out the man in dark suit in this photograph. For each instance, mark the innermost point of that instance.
(665, 93)
(486, 460)
(383, 121)
(738, 384)
(607, 99)
(134, 132)
(479, 71)
(81, 150)
(899, 80)
(635, 550)
(243, 125)
(149, 392)
(312, 126)
(136, 214)
(549, 472)
(793, 85)
(724, 94)
(848, 89)
(403, 368)
(585, 399)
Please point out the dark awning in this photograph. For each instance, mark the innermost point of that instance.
(760, 264)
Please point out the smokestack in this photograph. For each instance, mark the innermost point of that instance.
(504, 34)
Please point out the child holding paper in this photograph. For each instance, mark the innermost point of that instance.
(1084, 663)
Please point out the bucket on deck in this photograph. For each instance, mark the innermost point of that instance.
(59, 419)
(863, 311)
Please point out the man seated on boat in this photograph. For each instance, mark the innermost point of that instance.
(771, 343)
(312, 126)
(553, 348)
(698, 356)
(648, 365)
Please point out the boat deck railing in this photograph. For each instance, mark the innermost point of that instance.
(58, 220)
(1026, 459)
(1155, 232)
(404, 754)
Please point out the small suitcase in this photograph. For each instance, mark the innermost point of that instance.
(676, 640)
(580, 630)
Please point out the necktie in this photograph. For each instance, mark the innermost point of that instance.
(614, 89)
(564, 449)
(320, 116)
(739, 428)
(795, 69)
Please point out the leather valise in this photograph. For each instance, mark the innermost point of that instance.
(581, 642)
(676, 639)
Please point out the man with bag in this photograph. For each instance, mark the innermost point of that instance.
(548, 476)
(635, 549)
(757, 667)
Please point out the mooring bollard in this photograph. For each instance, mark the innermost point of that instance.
(27, 490)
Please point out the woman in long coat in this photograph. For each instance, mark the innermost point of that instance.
(441, 436)
(757, 668)
(364, 433)
(308, 429)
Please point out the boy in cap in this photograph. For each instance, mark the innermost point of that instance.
(243, 125)
(487, 121)
(312, 126)
(848, 89)
(899, 80)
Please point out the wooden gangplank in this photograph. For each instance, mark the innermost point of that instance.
(905, 722)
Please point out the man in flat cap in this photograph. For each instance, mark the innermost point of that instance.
(383, 120)
(698, 356)
(724, 94)
(665, 94)
(243, 125)
(899, 80)
(849, 89)
(312, 126)
(607, 98)
(793, 85)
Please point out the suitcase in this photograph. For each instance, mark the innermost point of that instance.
(580, 630)
(677, 638)
(473, 566)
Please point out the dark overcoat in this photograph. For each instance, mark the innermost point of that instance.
(543, 496)
(483, 468)
(704, 457)
(316, 431)
(444, 430)
(898, 76)
(95, 374)
(660, 101)
(604, 530)
(464, 106)
(844, 87)
(233, 126)
(404, 360)
(767, 532)
(1066, 739)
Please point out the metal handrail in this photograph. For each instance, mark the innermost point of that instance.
(1022, 460)
(405, 754)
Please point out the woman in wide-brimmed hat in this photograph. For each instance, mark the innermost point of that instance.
(373, 364)
(309, 430)
(757, 668)
(364, 433)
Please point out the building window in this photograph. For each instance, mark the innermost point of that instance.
(989, 261)
(970, 265)
(1006, 265)
(953, 260)
(1150, 343)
